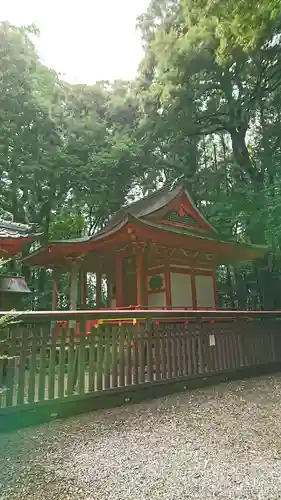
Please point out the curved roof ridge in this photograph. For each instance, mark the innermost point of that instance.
(139, 208)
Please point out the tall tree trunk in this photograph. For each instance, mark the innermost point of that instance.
(41, 290)
(259, 303)
(241, 290)
(242, 157)
(230, 290)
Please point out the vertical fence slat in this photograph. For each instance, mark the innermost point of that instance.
(121, 357)
(71, 378)
(194, 349)
(174, 355)
(156, 336)
(107, 357)
(114, 364)
(42, 363)
(52, 362)
(178, 350)
(201, 340)
(141, 337)
(216, 352)
(163, 352)
(223, 348)
(81, 358)
(136, 356)
(169, 352)
(244, 343)
(228, 349)
(149, 353)
(212, 349)
(184, 351)
(235, 346)
(231, 350)
(11, 368)
(22, 366)
(240, 350)
(189, 349)
(99, 359)
(208, 350)
(92, 360)
(219, 349)
(32, 366)
(128, 358)
(61, 376)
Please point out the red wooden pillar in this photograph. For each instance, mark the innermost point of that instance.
(119, 280)
(145, 283)
(98, 289)
(83, 284)
(73, 286)
(109, 291)
(216, 292)
(140, 276)
(193, 291)
(55, 290)
(167, 274)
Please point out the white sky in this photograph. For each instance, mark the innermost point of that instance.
(86, 40)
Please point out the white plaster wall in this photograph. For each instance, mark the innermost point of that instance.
(113, 304)
(205, 291)
(157, 299)
(181, 291)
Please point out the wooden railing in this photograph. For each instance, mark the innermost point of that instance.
(50, 355)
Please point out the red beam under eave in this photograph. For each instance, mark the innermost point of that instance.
(12, 246)
(190, 242)
(9, 250)
(133, 232)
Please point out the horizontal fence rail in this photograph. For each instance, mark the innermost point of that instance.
(54, 355)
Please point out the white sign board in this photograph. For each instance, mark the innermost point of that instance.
(212, 340)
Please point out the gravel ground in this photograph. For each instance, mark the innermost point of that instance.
(222, 442)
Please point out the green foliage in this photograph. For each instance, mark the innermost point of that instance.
(205, 108)
(210, 90)
(8, 319)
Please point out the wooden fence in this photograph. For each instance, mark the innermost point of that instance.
(50, 355)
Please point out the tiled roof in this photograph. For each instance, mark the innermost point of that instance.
(10, 229)
(150, 204)
(145, 205)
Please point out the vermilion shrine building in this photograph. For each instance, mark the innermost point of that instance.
(13, 237)
(157, 252)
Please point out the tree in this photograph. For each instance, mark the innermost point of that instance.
(65, 150)
(204, 109)
(201, 80)
(209, 79)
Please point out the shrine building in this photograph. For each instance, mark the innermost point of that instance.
(13, 237)
(158, 252)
